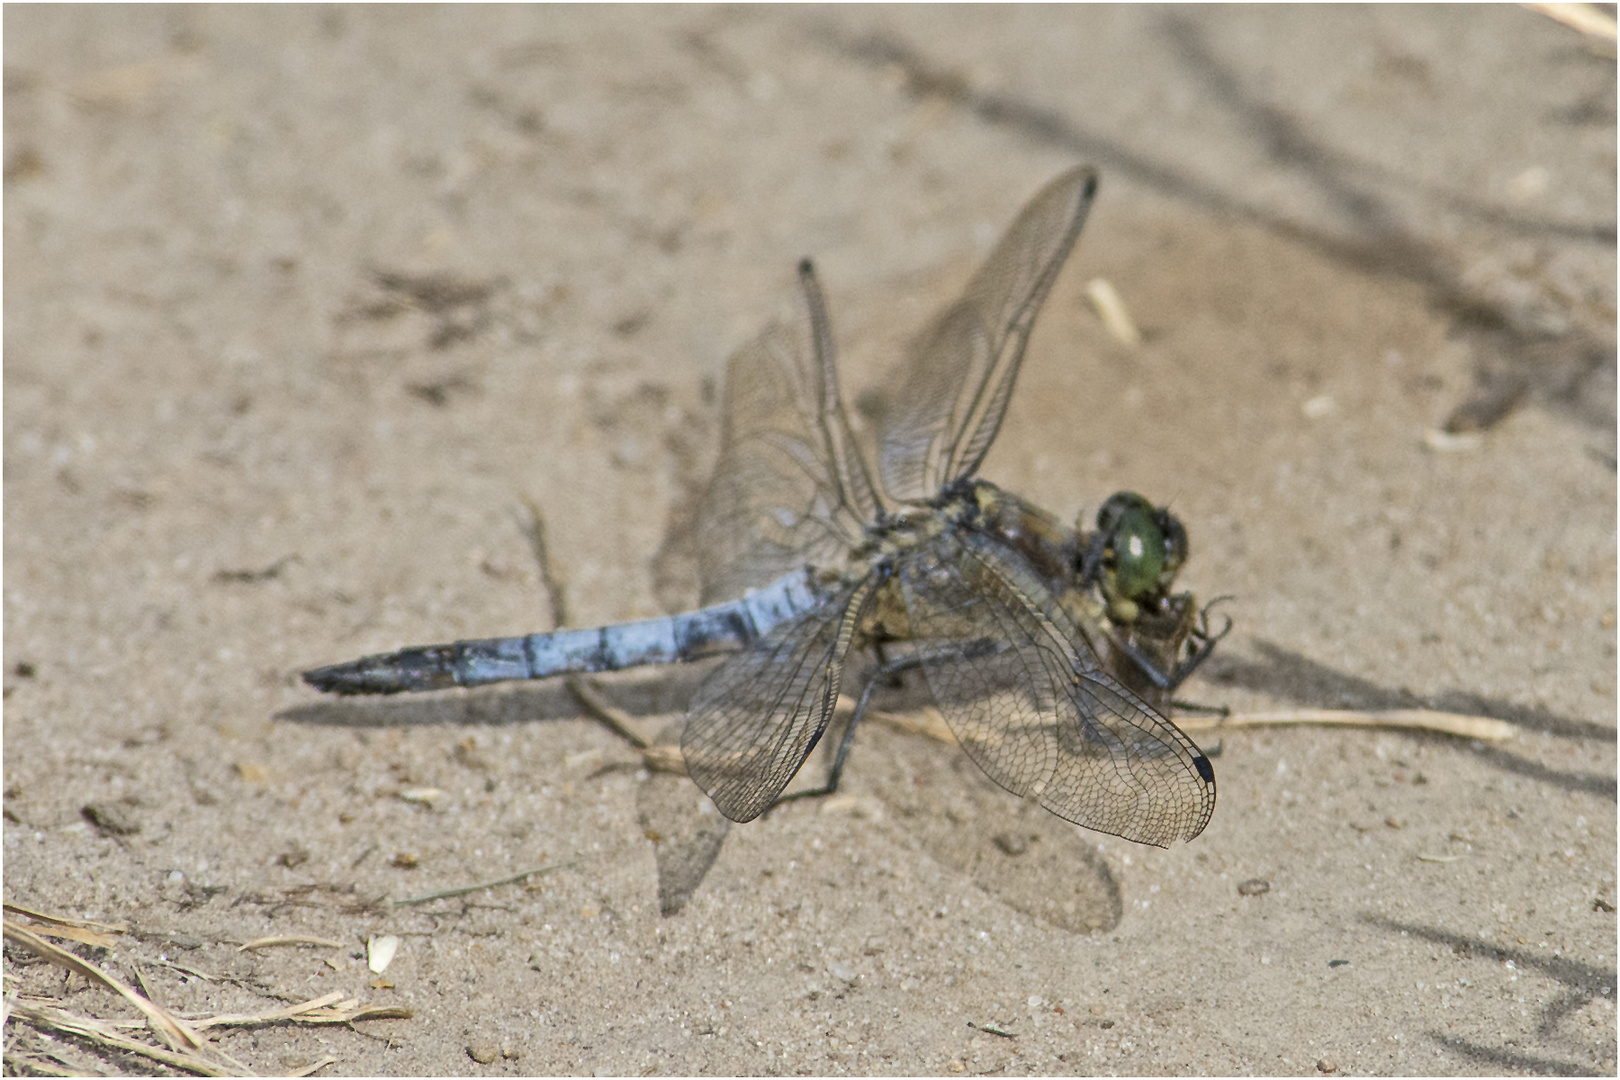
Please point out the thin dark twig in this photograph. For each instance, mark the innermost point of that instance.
(589, 698)
(463, 890)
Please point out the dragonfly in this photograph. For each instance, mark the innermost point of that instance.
(1026, 631)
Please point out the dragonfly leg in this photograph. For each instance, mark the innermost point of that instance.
(1143, 664)
(886, 665)
(1207, 644)
(1223, 711)
(887, 674)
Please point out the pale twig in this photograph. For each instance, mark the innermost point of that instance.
(664, 758)
(1111, 309)
(1459, 724)
(84, 931)
(285, 1013)
(185, 1048)
(930, 723)
(926, 721)
(1589, 19)
(277, 942)
(607, 714)
(63, 920)
(328, 1009)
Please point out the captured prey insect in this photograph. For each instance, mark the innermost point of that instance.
(1025, 630)
(1148, 638)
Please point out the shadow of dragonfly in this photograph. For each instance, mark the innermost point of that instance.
(1051, 651)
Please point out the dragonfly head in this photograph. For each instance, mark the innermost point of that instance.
(1136, 553)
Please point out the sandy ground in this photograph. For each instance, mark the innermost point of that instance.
(303, 304)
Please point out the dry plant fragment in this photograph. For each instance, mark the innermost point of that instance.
(185, 1048)
(104, 1034)
(203, 1059)
(1459, 724)
(84, 931)
(380, 952)
(1110, 308)
(273, 942)
(1589, 19)
(462, 890)
(930, 723)
(170, 1028)
(330, 1008)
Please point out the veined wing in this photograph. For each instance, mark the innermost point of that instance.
(1026, 700)
(759, 714)
(790, 487)
(952, 389)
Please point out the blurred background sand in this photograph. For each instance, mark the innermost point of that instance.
(302, 304)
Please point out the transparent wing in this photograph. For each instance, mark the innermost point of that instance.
(758, 715)
(951, 391)
(790, 488)
(1025, 698)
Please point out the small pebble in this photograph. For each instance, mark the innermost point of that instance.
(483, 1053)
(1254, 887)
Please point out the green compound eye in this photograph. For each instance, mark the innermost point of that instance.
(1137, 543)
(1175, 545)
(1147, 545)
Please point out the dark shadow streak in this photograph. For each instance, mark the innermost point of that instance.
(666, 690)
(1051, 127)
(1383, 247)
(1505, 1062)
(1292, 677)
(1583, 982)
(488, 707)
(1525, 356)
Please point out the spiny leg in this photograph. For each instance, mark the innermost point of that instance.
(888, 672)
(1185, 667)
(1201, 642)
(1206, 646)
